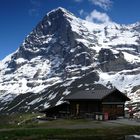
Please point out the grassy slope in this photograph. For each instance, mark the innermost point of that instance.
(43, 133)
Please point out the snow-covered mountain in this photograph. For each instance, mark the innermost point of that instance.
(64, 54)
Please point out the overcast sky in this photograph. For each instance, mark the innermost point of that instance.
(19, 17)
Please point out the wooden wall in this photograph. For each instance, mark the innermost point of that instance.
(82, 107)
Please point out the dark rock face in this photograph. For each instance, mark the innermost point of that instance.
(54, 32)
(106, 55)
(61, 39)
(113, 62)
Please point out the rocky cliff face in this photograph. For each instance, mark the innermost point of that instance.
(64, 54)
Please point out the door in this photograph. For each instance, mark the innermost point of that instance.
(111, 110)
(120, 110)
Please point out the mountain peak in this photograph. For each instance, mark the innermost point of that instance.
(60, 10)
(64, 54)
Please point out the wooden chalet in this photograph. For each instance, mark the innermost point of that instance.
(98, 101)
(82, 103)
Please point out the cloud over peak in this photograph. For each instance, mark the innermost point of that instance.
(105, 4)
(98, 17)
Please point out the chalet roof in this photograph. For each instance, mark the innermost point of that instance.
(92, 94)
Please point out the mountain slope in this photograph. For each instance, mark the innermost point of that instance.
(64, 54)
